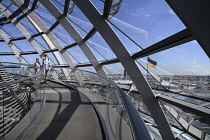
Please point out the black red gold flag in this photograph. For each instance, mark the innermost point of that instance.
(151, 63)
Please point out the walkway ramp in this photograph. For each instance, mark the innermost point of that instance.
(67, 114)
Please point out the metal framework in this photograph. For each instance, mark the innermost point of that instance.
(14, 49)
(188, 12)
(131, 68)
(75, 35)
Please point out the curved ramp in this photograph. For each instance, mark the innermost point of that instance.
(67, 114)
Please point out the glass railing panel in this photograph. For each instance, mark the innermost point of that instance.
(18, 70)
(107, 98)
(21, 99)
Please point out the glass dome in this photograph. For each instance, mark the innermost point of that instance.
(145, 44)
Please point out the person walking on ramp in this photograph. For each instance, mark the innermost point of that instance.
(46, 66)
(37, 66)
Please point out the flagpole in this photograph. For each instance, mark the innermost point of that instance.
(147, 69)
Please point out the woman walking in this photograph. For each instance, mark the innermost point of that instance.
(37, 66)
(46, 66)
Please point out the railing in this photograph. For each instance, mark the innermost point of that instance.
(20, 100)
(187, 116)
(119, 117)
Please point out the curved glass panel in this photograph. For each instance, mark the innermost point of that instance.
(146, 22)
(178, 74)
(28, 26)
(61, 57)
(63, 36)
(42, 44)
(12, 30)
(127, 33)
(32, 58)
(99, 4)
(24, 45)
(4, 47)
(80, 26)
(45, 16)
(79, 21)
(9, 58)
(59, 4)
(77, 55)
(100, 48)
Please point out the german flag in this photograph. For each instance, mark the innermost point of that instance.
(151, 63)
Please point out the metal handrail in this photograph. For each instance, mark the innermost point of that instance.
(137, 124)
(16, 81)
(138, 127)
(20, 80)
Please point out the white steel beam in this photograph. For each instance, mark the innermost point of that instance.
(74, 34)
(14, 49)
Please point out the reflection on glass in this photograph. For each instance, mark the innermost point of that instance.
(80, 21)
(9, 58)
(59, 4)
(5, 47)
(42, 44)
(45, 15)
(77, 55)
(24, 45)
(28, 26)
(99, 4)
(11, 30)
(20, 101)
(107, 100)
(100, 48)
(63, 35)
(146, 22)
(182, 69)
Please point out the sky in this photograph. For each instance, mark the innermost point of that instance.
(146, 22)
